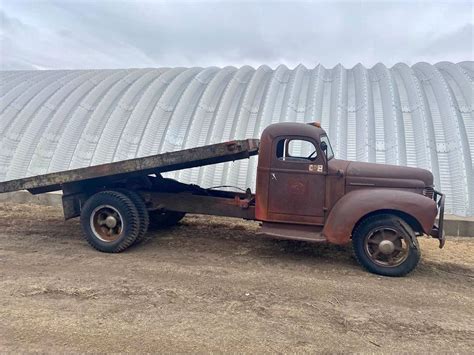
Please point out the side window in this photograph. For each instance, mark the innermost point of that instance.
(296, 150)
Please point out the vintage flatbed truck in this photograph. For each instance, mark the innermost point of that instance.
(302, 193)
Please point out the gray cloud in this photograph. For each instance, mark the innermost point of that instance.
(106, 34)
(456, 42)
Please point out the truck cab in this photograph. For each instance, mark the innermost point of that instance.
(292, 174)
(305, 193)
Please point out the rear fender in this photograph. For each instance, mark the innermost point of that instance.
(352, 207)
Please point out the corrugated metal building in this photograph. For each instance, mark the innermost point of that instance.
(416, 116)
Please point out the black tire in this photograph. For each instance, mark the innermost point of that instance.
(386, 245)
(164, 219)
(142, 211)
(95, 212)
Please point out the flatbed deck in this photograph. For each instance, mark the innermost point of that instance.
(154, 164)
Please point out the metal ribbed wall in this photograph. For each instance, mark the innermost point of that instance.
(416, 116)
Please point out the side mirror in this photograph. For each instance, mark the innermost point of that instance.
(324, 147)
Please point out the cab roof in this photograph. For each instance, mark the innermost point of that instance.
(292, 129)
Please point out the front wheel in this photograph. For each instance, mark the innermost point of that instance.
(386, 245)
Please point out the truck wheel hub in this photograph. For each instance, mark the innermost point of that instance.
(106, 223)
(111, 222)
(386, 247)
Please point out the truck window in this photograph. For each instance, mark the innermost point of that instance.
(296, 150)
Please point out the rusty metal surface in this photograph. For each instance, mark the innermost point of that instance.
(307, 233)
(340, 195)
(209, 205)
(356, 204)
(383, 175)
(210, 154)
(289, 191)
(438, 229)
(335, 182)
(293, 192)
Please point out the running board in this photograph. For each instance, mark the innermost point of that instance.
(292, 231)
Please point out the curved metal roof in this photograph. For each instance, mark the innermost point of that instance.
(418, 116)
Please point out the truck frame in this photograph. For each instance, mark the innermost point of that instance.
(308, 197)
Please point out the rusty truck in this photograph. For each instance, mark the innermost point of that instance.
(302, 193)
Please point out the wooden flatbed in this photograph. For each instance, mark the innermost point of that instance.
(155, 164)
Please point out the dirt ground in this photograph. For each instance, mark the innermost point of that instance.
(210, 285)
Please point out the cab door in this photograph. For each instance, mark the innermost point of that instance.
(297, 181)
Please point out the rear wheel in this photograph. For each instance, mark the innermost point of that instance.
(110, 221)
(142, 212)
(164, 219)
(386, 245)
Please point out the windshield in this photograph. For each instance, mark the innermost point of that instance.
(330, 153)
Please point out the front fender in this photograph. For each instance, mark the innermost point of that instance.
(356, 204)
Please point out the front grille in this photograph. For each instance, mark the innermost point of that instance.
(428, 192)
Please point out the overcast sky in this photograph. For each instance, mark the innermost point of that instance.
(72, 34)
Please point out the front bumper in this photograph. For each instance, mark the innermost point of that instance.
(437, 230)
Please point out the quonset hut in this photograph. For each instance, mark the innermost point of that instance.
(417, 116)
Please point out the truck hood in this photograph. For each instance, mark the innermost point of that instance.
(383, 175)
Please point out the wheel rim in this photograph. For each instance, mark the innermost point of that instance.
(387, 247)
(106, 223)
